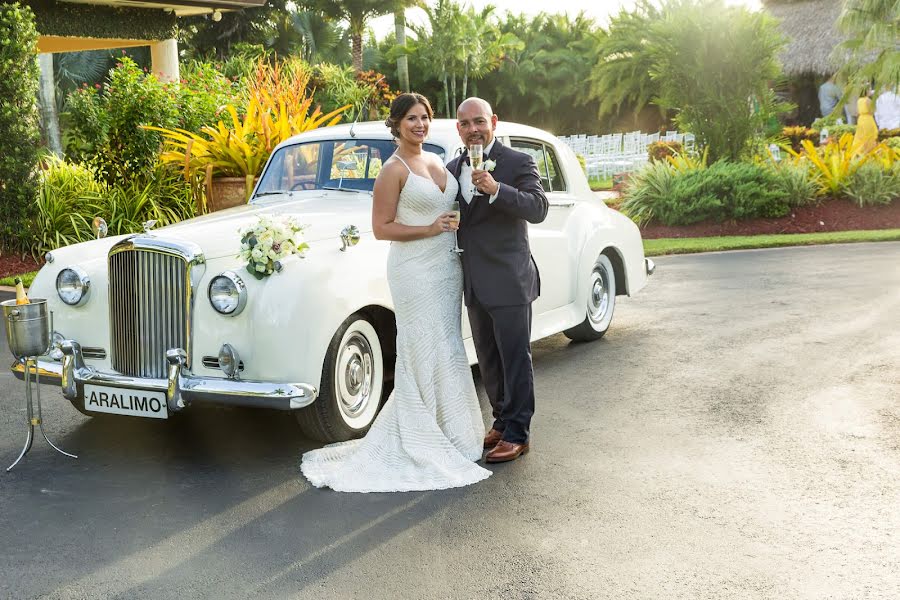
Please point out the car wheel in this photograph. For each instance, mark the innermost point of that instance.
(600, 305)
(352, 384)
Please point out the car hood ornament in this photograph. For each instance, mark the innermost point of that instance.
(148, 225)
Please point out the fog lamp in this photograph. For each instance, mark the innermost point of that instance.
(229, 361)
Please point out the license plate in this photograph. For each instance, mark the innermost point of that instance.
(119, 401)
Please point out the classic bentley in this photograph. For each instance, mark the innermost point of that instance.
(146, 325)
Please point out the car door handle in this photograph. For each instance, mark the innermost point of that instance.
(562, 203)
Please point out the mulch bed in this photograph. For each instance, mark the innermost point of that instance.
(14, 264)
(829, 215)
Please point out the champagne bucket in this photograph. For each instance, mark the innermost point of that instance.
(27, 327)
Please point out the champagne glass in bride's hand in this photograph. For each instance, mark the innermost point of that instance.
(454, 209)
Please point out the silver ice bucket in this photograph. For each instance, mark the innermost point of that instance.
(27, 327)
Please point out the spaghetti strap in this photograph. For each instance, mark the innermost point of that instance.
(404, 163)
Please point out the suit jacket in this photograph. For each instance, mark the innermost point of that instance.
(498, 268)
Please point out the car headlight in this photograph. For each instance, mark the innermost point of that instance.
(227, 293)
(73, 285)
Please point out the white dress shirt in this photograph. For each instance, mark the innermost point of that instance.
(466, 187)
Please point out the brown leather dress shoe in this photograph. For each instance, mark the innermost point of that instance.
(506, 451)
(493, 436)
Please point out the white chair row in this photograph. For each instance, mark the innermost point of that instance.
(607, 155)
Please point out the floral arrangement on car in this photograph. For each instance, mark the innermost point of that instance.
(268, 242)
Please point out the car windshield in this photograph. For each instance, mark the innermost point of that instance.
(349, 164)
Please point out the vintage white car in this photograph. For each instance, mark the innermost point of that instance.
(148, 324)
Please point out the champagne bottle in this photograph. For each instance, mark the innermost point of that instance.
(21, 296)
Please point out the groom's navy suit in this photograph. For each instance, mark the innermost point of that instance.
(501, 280)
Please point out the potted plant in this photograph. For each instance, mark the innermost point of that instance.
(229, 157)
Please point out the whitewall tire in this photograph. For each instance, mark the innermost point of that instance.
(601, 303)
(352, 384)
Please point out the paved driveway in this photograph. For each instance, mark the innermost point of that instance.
(736, 435)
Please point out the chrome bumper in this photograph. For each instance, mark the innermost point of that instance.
(650, 266)
(180, 386)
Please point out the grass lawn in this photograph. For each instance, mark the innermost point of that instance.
(27, 278)
(600, 183)
(711, 244)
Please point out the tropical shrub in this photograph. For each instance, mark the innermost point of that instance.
(886, 134)
(337, 86)
(86, 125)
(201, 94)
(708, 60)
(71, 196)
(797, 185)
(836, 132)
(19, 130)
(722, 191)
(279, 107)
(648, 189)
(795, 135)
(662, 149)
(134, 98)
(65, 189)
(871, 184)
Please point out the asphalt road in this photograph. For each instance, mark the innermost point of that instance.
(735, 435)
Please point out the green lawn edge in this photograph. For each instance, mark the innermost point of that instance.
(27, 278)
(662, 246)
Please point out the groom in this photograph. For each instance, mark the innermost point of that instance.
(500, 277)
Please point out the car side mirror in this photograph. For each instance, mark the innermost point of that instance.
(99, 227)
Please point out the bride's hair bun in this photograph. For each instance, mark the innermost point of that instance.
(401, 105)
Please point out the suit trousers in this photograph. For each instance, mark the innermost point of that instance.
(502, 337)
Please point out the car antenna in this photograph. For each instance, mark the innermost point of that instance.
(359, 112)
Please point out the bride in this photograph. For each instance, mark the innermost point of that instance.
(430, 432)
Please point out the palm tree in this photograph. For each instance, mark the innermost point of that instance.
(620, 77)
(484, 45)
(440, 43)
(356, 13)
(872, 49)
(400, 33)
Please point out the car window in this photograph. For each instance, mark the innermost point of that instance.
(345, 163)
(546, 161)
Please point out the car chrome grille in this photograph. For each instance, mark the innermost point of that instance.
(149, 299)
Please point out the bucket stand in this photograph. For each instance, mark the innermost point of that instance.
(31, 363)
(28, 328)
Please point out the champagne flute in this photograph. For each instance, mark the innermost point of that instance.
(476, 155)
(476, 158)
(454, 208)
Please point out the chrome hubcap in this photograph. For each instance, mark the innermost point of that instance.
(598, 303)
(355, 373)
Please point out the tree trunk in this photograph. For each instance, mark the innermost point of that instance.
(357, 26)
(453, 89)
(47, 102)
(465, 81)
(446, 94)
(402, 61)
(357, 51)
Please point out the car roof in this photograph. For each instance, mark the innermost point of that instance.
(442, 132)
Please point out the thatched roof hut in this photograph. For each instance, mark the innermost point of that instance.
(811, 29)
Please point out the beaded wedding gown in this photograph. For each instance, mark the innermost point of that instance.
(430, 432)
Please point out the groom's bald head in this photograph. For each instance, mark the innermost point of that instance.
(475, 122)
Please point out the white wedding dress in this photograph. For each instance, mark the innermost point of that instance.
(430, 432)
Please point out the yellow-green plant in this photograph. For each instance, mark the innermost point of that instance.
(683, 161)
(836, 162)
(279, 107)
